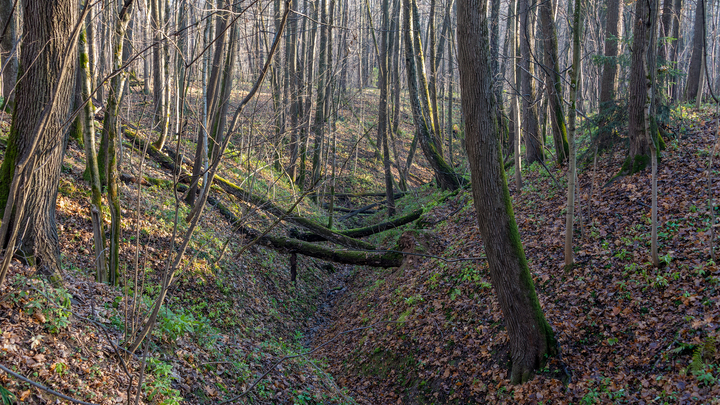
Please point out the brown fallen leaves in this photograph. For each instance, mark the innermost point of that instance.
(628, 332)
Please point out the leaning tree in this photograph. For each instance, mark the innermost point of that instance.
(531, 337)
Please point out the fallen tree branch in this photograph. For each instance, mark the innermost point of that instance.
(362, 232)
(42, 387)
(244, 195)
(372, 258)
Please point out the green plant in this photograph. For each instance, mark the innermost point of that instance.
(161, 386)
(50, 304)
(7, 397)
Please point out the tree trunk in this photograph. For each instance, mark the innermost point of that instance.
(639, 152)
(693, 74)
(8, 44)
(514, 97)
(385, 50)
(319, 124)
(575, 72)
(160, 121)
(110, 132)
(677, 10)
(87, 115)
(533, 141)
(30, 171)
(421, 109)
(553, 81)
(609, 80)
(530, 336)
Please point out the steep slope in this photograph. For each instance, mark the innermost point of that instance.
(432, 332)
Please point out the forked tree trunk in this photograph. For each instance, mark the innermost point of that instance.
(110, 132)
(30, 171)
(531, 337)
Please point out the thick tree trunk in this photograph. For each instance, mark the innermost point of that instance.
(693, 74)
(639, 152)
(530, 336)
(609, 80)
(533, 140)
(33, 158)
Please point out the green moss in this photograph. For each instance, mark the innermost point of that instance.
(635, 164)
(7, 170)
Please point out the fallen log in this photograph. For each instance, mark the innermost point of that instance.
(359, 195)
(346, 210)
(308, 224)
(362, 232)
(291, 245)
(163, 159)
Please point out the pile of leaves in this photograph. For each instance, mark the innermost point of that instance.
(432, 331)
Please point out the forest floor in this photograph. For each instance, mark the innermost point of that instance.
(628, 332)
(430, 331)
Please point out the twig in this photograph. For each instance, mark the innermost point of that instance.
(44, 388)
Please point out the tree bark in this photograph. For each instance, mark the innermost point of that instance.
(609, 80)
(639, 152)
(110, 133)
(693, 77)
(574, 74)
(33, 158)
(8, 44)
(160, 121)
(533, 140)
(421, 112)
(553, 81)
(531, 337)
(92, 173)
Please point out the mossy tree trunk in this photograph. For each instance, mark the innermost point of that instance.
(87, 115)
(110, 132)
(531, 337)
(418, 93)
(30, 171)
